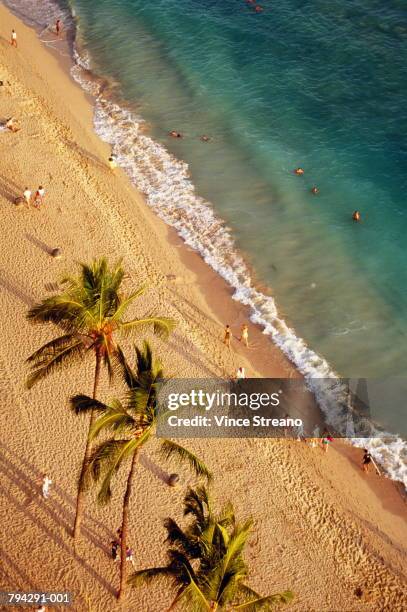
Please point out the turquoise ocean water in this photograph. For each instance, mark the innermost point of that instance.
(313, 84)
(316, 84)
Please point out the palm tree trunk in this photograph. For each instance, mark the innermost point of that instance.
(80, 498)
(125, 527)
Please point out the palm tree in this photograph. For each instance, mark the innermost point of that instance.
(135, 422)
(90, 310)
(205, 561)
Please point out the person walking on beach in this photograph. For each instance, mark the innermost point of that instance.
(27, 196)
(228, 336)
(326, 440)
(129, 555)
(112, 163)
(13, 40)
(115, 547)
(46, 482)
(39, 196)
(240, 373)
(245, 335)
(366, 460)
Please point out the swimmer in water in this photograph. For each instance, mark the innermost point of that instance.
(258, 9)
(205, 138)
(299, 171)
(175, 134)
(356, 215)
(315, 190)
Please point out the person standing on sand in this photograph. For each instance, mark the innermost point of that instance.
(240, 374)
(366, 460)
(46, 482)
(129, 555)
(326, 440)
(58, 26)
(115, 547)
(245, 335)
(39, 196)
(228, 336)
(13, 40)
(112, 163)
(27, 196)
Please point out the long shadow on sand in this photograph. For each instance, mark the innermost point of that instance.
(30, 487)
(14, 290)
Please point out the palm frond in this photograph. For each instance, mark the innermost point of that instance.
(227, 516)
(104, 463)
(171, 449)
(193, 596)
(114, 419)
(53, 356)
(146, 576)
(237, 543)
(123, 367)
(84, 403)
(63, 310)
(175, 536)
(125, 304)
(197, 503)
(162, 326)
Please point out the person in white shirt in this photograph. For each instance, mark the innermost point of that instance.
(46, 482)
(240, 374)
(27, 196)
(13, 41)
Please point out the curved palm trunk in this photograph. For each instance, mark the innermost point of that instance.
(125, 527)
(80, 498)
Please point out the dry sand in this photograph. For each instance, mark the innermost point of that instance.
(323, 529)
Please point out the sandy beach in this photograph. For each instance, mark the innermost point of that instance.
(334, 536)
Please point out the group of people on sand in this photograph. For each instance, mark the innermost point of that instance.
(13, 37)
(116, 546)
(244, 335)
(356, 216)
(36, 200)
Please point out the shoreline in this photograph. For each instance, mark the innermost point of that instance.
(197, 293)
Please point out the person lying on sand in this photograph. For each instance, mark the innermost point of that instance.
(12, 125)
